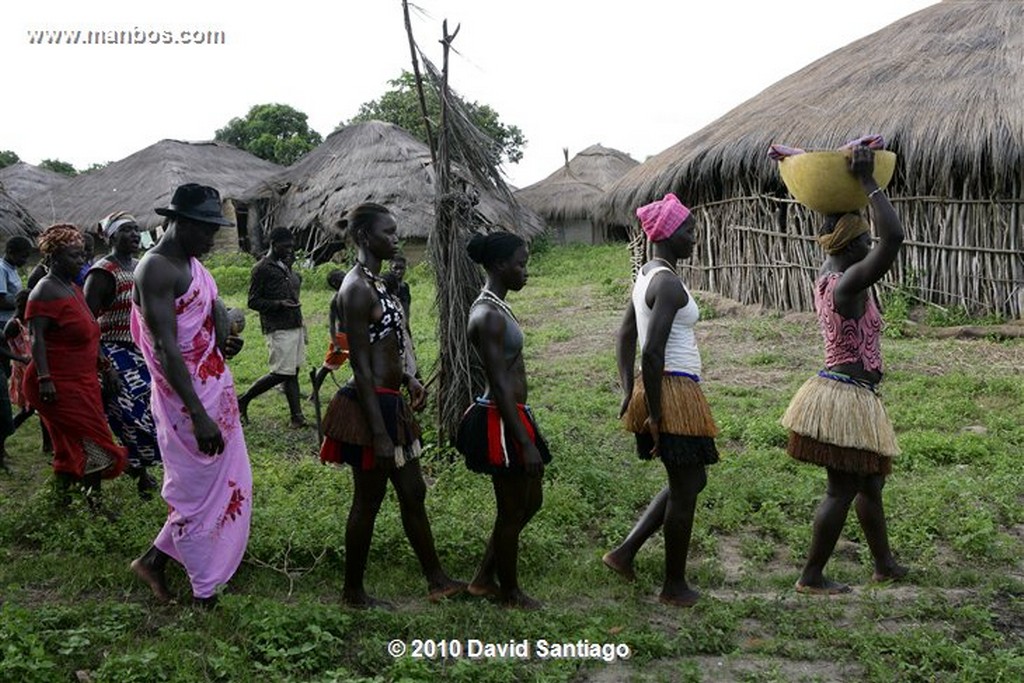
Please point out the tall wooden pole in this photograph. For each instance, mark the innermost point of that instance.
(419, 81)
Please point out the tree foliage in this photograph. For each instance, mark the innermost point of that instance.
(58, 166)
(8, 158)
(275, 132)
(401, 106)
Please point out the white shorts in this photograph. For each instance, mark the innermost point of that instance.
(287, 350)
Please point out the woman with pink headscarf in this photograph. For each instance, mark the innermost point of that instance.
(666, 410)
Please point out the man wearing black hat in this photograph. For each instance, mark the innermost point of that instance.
(176, 320)
(274, 293)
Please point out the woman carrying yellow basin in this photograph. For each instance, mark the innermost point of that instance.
(836, 419)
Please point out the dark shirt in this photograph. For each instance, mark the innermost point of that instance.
(404, 296)
(272, 283)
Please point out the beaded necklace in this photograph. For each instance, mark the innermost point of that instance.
(490, 297)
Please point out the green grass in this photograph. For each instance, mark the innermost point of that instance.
(954, 502)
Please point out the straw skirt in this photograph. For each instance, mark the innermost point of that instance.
(687, 429)
(842, 426)
(349, 439)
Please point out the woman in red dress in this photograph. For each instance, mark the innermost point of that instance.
(62, 382)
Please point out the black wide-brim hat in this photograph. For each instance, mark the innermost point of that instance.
(196, 202)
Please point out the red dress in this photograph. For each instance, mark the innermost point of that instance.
(72, 348)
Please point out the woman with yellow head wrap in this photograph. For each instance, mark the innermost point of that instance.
(61, 382)
(836, 419)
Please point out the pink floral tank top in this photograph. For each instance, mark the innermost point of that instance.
(848, 340)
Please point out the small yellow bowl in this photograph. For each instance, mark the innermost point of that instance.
(822, 181)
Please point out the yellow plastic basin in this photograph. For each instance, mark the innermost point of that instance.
(822, 181)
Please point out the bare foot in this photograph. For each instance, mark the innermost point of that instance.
(154, 579)
(826, 587)
(205, 603)
(448, 588)
(146, 484)
(684, 598)
(362, 600)
(893, 572)
(517, 599)
(487, 590)
(623, 569)
(98, 509)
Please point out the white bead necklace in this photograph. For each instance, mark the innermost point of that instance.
(491, 297)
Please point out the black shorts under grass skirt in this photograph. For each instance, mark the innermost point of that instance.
(688, 431)
(488, 444)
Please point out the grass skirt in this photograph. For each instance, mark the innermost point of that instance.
(348, 437)
(842, 426)
(488, 443)
(687, 429)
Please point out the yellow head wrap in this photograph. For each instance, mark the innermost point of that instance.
(848, 228)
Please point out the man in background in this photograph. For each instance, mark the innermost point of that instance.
(274, 293)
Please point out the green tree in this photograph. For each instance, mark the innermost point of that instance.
(7, 158)
(275, 132)
(96, 166)
(401, 106)
(58, 166)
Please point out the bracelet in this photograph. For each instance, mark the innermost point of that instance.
(874, 192)
(44, 378)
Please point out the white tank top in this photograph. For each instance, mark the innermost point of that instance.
(681, 353)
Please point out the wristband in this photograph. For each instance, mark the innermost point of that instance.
(44, 378)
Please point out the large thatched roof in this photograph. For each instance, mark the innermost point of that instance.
(15, 219)
(572, 192)
(370, 161)
(945, 86)
(147, 179)
(23, 180)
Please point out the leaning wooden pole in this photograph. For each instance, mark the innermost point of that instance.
(419, 81)
(456, 276)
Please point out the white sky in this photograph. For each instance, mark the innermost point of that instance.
(638, 76)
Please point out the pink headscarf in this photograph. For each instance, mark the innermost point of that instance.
(662, 218)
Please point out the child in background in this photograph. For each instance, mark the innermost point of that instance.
(337, 347)
(14, 347)
(17, 339)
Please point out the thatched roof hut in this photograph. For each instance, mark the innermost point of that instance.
(370, 161)
(146, 180)
(945, 86)
(567, 199)
(15, 219)
(23, 180)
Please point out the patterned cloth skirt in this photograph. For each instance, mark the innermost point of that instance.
(488, 443)
(837, 422)
(129, 413)
(688, 430)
